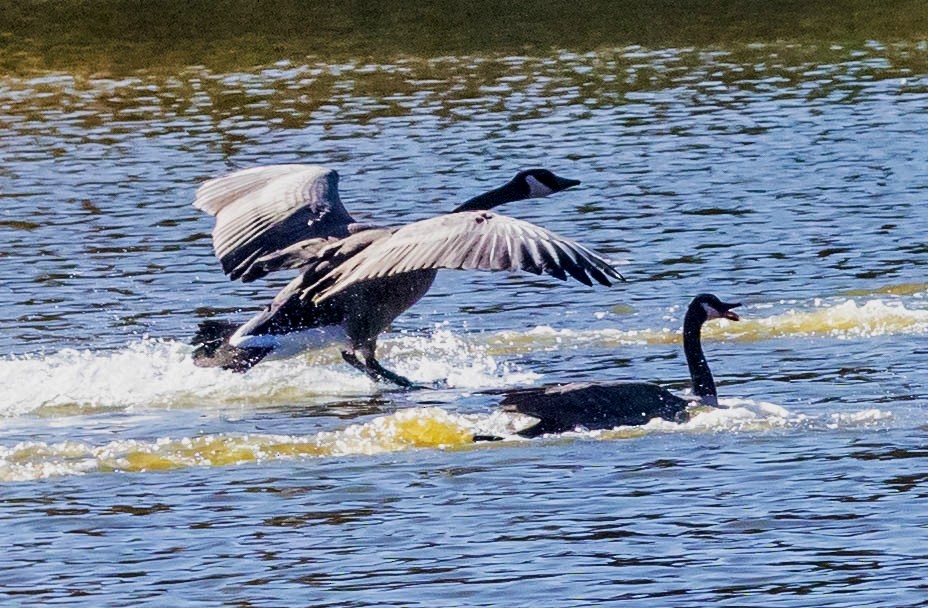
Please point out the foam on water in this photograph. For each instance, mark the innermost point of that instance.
(158, 374)
(445, 357)
(900, 289)
(161, 374)
(412, 428)
(843, 320)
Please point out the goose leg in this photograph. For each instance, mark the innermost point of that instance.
(353, 361)
(375, 370)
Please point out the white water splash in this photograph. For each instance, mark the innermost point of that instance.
(846, 320)
(738, 414)
(161, 374)
(447, 358)
(154, 373)
(869, 417)
(745, 415)
(406, 429)
(411, 428)
(843, 320)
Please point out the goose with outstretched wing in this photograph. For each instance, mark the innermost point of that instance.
(356, 279)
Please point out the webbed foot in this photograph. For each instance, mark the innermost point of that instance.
(376, 372)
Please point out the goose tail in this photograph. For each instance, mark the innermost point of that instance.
(212, 348)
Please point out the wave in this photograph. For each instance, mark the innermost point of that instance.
(843, 320)
(412, 428)
(160, 373)
(898, 289)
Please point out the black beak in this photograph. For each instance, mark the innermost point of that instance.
(727, 313)
(563, 183)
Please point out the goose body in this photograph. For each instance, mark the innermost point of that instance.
(607, 405)
(355, 279)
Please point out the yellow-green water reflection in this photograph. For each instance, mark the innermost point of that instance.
(124, 35)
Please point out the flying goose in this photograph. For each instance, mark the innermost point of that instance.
(355, 279)
(604, 405)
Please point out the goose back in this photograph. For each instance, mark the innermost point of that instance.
(593, 406)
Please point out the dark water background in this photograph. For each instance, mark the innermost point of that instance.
(771, 153)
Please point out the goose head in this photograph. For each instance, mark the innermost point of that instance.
(707, 306)
(529, 183)
(535, 183)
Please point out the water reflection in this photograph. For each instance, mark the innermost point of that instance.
(685, 148)
(776, 154)
(65, 35)
(101, 110)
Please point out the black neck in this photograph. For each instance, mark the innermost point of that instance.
(498, 196)
(703, 384)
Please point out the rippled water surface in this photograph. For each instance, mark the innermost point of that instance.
(789, 174)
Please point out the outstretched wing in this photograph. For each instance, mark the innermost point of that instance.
(263, 210)
(293, 308)
(473, 240)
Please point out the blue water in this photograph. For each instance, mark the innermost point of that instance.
(786, 177)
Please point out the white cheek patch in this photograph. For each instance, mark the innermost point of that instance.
(711, 312)
(536, 189)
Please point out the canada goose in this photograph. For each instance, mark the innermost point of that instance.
(356, 279)
(609, 404)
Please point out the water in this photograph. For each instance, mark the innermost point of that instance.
(783, 171)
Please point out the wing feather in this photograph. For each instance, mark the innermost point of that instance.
(477, 253)
(568, 261)
(469, 240)
(490, 252)
(529, 261)
(264, 210)
(552, 267)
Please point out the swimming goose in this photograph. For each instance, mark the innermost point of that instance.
(355, 279)
(610, 404)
